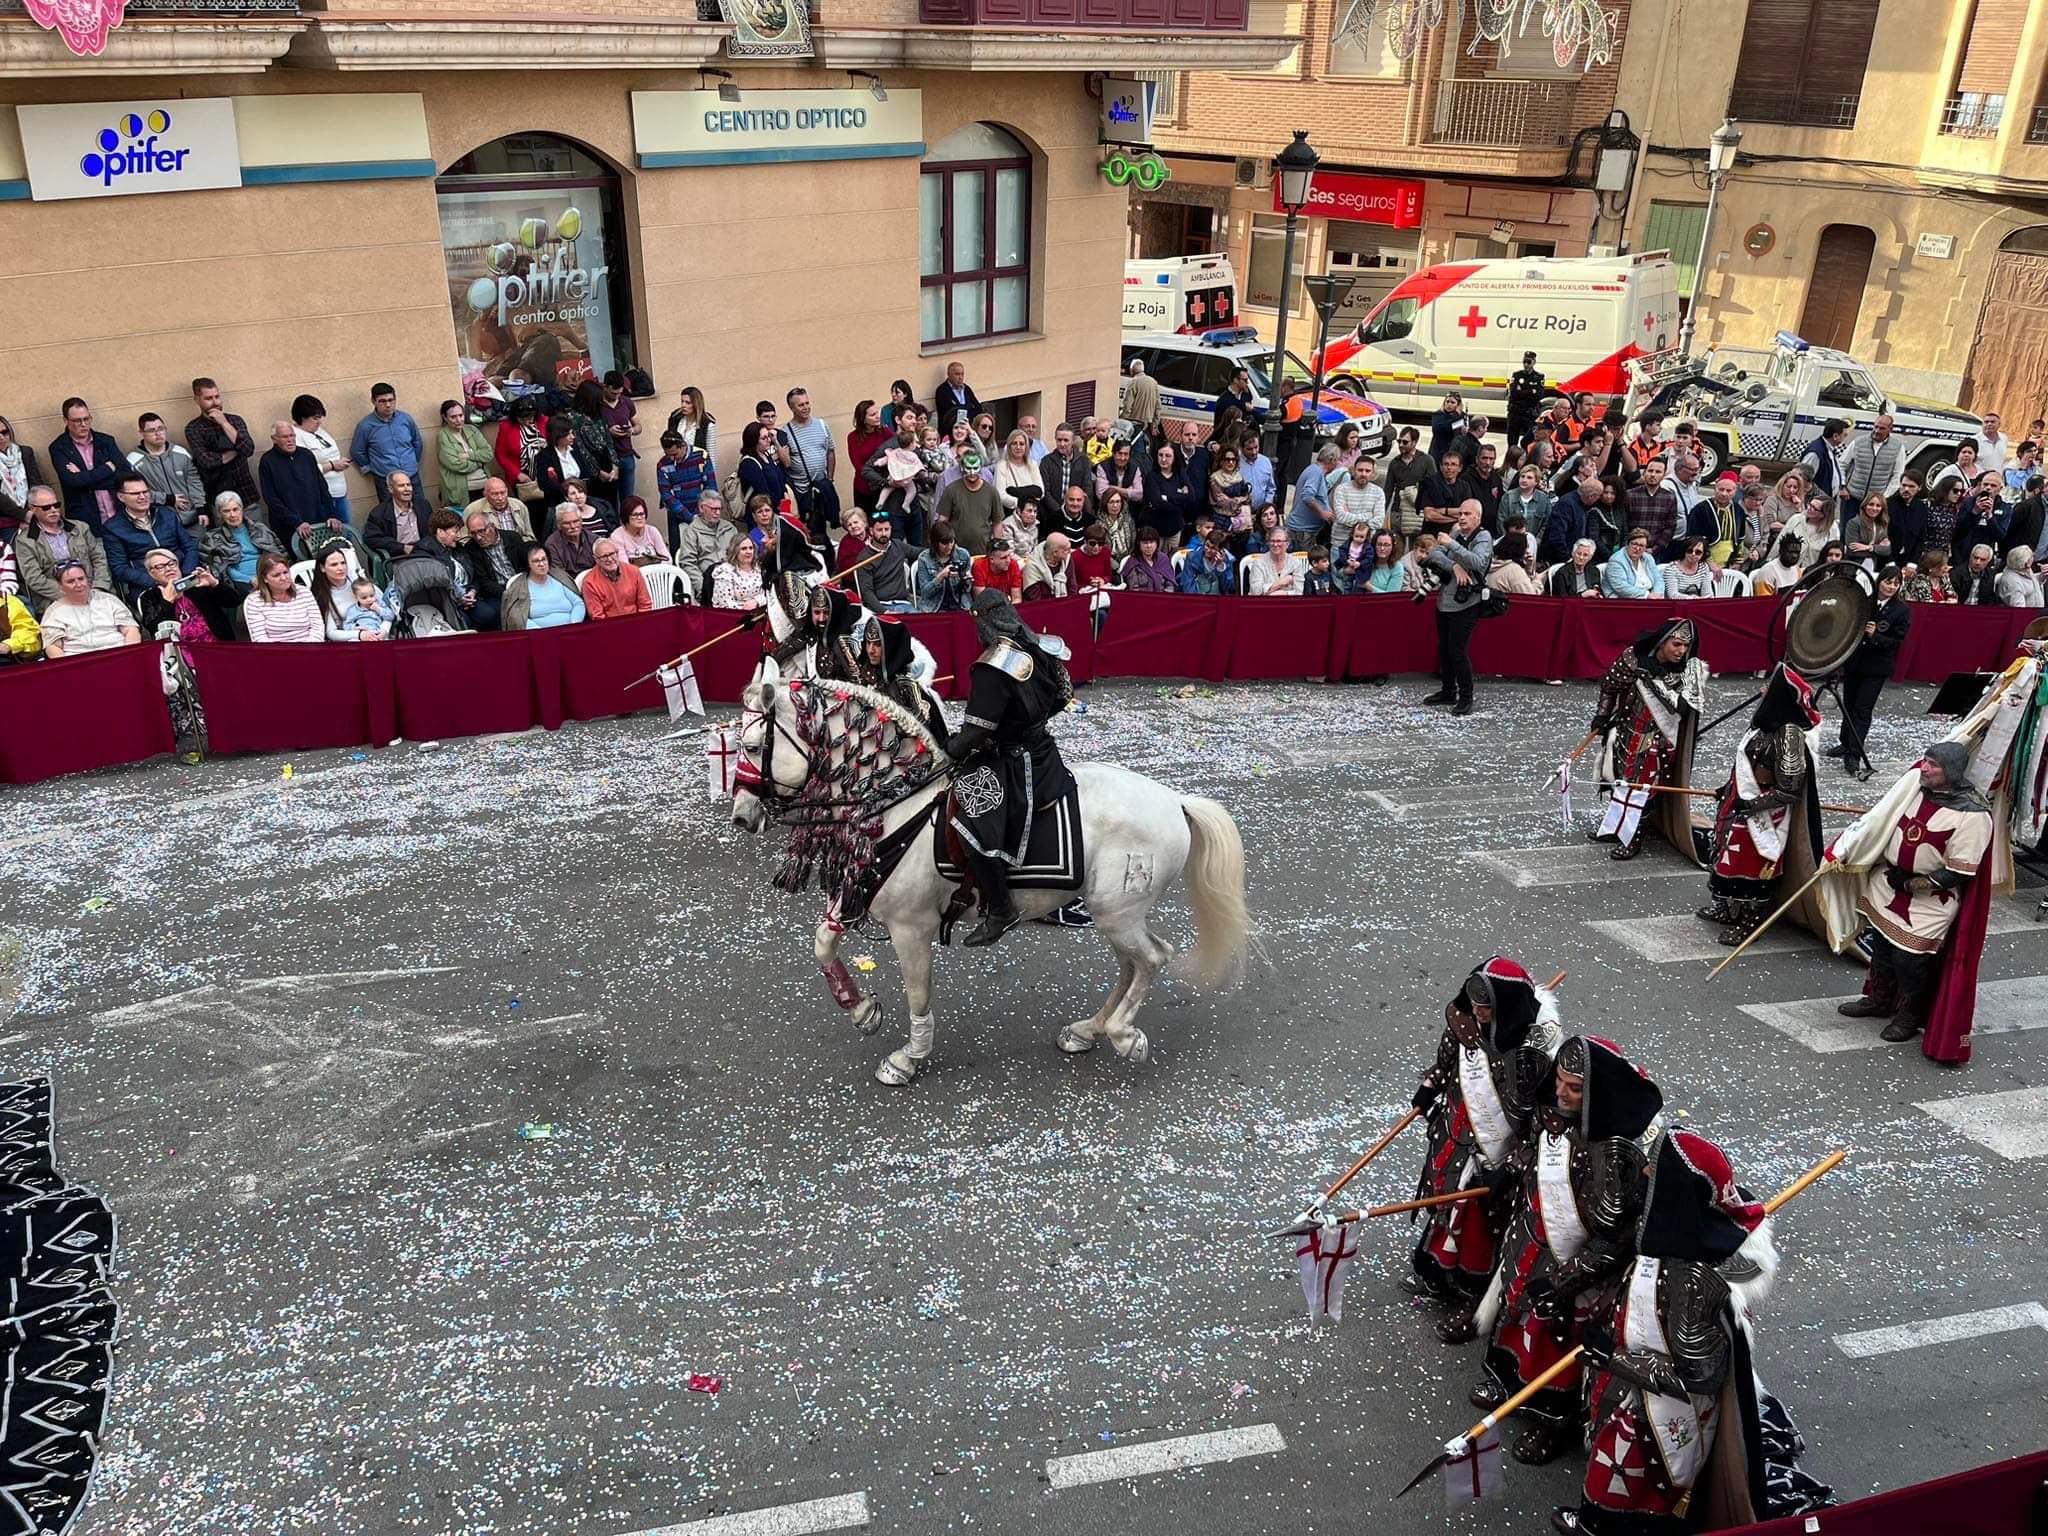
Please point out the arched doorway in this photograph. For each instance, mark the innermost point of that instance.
(974, 235)
(1834, 299)
(2008, 368)
(533, 236)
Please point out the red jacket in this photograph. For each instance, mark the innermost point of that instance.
(604, 598)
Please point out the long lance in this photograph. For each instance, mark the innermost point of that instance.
(1396, 1209)
(1460, 1447)
(744, 624)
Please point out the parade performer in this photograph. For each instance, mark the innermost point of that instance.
(816, 616)
(1649, 712)
(1480, 1094)
(876, 653)
(1009, 763)
(1913, 892)
(1570, 1233)
(1770, 804)
(1677, 1441)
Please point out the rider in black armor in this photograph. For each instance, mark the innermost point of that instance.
(1009, 763)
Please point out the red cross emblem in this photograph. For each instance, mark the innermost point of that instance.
(1913, 831)
(1649, 321)
(1198, 308)
(1472, 321)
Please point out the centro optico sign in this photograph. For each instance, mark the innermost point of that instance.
(784, 119)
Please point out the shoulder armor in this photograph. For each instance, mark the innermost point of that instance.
(1010, 660)
(1055, 647)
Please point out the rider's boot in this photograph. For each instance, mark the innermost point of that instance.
(998, 912)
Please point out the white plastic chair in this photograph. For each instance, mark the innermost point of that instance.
(665, 585)
(581, 577)
(1180, 557)
(1732, 584)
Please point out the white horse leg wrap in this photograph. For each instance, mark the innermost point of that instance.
(922, 1026)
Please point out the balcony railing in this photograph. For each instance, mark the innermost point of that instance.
(1505, 114)
(2037, 126)
(188, 9)
(1798, 107)
(1122, 15)
(1972, 115)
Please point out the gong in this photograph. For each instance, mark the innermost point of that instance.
(1824, 618)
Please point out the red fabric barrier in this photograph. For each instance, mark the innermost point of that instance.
(82, 713)
(297, 698)
(1953, 638)
(1281, 637)
(1731, 629)
(1530, 640)
(2003, 1499)
(1383, 634)
(1159, 634)
(596, 661)
(480, 687)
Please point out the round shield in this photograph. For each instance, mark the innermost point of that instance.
(1825, 617)
(2038, 630)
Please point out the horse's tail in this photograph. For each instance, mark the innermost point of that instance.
(1215, 876)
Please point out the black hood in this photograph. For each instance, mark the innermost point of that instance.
(1511, 992)
(1695, 1210)
(1620, 1099)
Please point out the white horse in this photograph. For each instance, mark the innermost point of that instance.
(850, 770)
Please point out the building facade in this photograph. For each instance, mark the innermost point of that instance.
(375, 190)
(1891, 191)
(1437, 143)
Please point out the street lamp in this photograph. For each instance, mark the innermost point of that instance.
(1294, 165)
(1328, 293)
(1720, 161)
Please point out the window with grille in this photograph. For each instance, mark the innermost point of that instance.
(974, 236)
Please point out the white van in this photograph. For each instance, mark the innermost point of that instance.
(1463, 326)
(1180, 293)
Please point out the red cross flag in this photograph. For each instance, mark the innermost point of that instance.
(722, 760)
(1324, 1253)
(679, 685)
(1476, 1475)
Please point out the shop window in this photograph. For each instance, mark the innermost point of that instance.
(1278, 18)
(533, 242)
(974, 236)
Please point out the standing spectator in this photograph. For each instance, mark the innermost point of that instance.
(538, 599)
(88, 466)
(572, 547)
(1906, 512)
(221, 446)
(1467, 442)
(1686, 491)
(884, 583)
(1872, 465)
(1481, 482)
(639, 541)
(1445, 424)
(1016, 471)
(1172, 497)
(466, 459)
(1065, 467)
(1407, 471)
(47, 540)
(1258, 472)
(614, 588)
(1822, 461)
(1209, 569)
(1238, 397)
(1868, 669)
(309, 425)
(761, 472)
(295, 494)
(985, 437)
(1816, 528)
(1148, 567)
(944, 576)
(279, 609)
(522, 436)
(1868, 534)
(901, 396)
(400, 521)
(806, 450)
(173, 478)
(594, 442)
(1124, 473)
(387, 441)
(1050, 572)
(2029, 521)
(1141, 398)
(1097, 441)
(234, 544)
(1461, 562)
(1653, 508)
(695, 425)
(999, 569)
(1689, 575)
(556, 467)
(2019, 478)
(1786, 504)
(866, 438)
(1308, 518)
(1438, 496)
(704, 544)
(622, 423)
(1272, 573)
(84, 619)
(681, 478)
(2016, 585)
(1114, 513)
(1230, 496)
(1529, 501)
(955, 397)
(18, 467)
(139, 527)
(491, 557)
(1630, 571)
(1991, 445)
(1357, 503)
(970, 507)
(1525, 398)
(1717, 520)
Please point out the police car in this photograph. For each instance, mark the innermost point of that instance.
(1192, 370)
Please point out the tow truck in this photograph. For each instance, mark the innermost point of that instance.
(1766, 405)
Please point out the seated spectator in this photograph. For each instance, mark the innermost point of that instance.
(572, 547)
(503, 509)
(200, 607)
(1272, 573)
(19, 468)
(1000, 569)
(47, 540)
(884, 582)
(944, 575)
(173, 478)
(1149, 568)
(970, 506)
(1577, 576)
(1210, 570)
(853, 544)
(83, 619)
(233, 545)
(681, 478)
(466, 460)
(1230, 494)
(614, 588)
(1630, 572)
(1780, 574)
(1171, 495)
(2016, 584)
(1022, 527)
(703, 544)
(490, 558)
(639, 541)
(1383, 572)
(400, 522)
(1978, 586)
(539, 599)
(1250, 543)
(1320, 581)
(295, 495)
(1510, 571)
(1815, 528)
(1932, 582)
(331, 582)
(1689, 575)
(429, 579)
(1016, 471)
(1353, 557)
(736, 581)
(367, 617)
(1113, 511)
(21, 638)
(279, 609)
(137, 527)
(1094, 565)
(1050, 572)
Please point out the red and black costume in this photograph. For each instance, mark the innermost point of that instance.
(1480, 1095)
(1769, 809)
(1570, 1233)
(1648, 715)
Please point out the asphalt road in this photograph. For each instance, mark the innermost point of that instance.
(297, 1024)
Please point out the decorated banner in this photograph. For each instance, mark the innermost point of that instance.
(767, 29)
(83, 24)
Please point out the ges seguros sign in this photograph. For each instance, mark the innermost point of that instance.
(124, 148)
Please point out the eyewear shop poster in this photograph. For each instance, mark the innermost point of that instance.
(530, 286)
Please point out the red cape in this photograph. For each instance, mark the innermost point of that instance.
(1947, 1036)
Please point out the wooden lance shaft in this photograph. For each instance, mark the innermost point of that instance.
(738, 628)
(1758, 932)
(1414, 1205)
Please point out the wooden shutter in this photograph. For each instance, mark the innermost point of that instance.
(1993, 47)
(1675, 227)
(1834, 298)
(1080, 401)
(1767, 72)
(1837, 49)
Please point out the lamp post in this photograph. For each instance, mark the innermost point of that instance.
(1328, 293)
(1294, 165)
(1720, 161)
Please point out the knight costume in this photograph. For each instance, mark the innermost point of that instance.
(817, 616)
(1570, 1232)
(1914, 891)
(875, 653)
(1009, 763)
(1480, 1095)
(1769, 806)
(1648, 714)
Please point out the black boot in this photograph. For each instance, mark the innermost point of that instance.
(998, 912)
(1744, 918)
(1719, 910)
(1905, 1024)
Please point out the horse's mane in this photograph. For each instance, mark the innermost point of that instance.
(882, 704)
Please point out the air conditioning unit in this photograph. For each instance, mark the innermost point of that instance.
(1254, 173)
(1600, 250)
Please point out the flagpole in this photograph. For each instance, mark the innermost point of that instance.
(1758, 931)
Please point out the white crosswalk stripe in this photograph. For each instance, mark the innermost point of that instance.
(813, 1515)
(1582, 863)
(1942, 1330)
(2003, 1007)
(2014, 1124)
(1156, 1456)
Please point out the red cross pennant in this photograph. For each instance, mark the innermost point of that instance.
(1472, 321)
(1914, 831)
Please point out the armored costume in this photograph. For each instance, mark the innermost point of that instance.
(1769, 805)
(1649, 712)
(1570, 1232)
(876, 653)
(1009, 763)
(1913, 893)
(810, 618)
(1480, 1094)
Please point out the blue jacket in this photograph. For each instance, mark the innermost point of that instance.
(81, 485)
(1565, 526)
(294, 492)
(1194, 577)
(1618, 578)
(380, 446)
(127, 544)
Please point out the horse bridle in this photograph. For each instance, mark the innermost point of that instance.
(759, 779)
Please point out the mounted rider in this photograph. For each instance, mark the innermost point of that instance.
(811, 615)
(876, 653)
(1009, 763)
